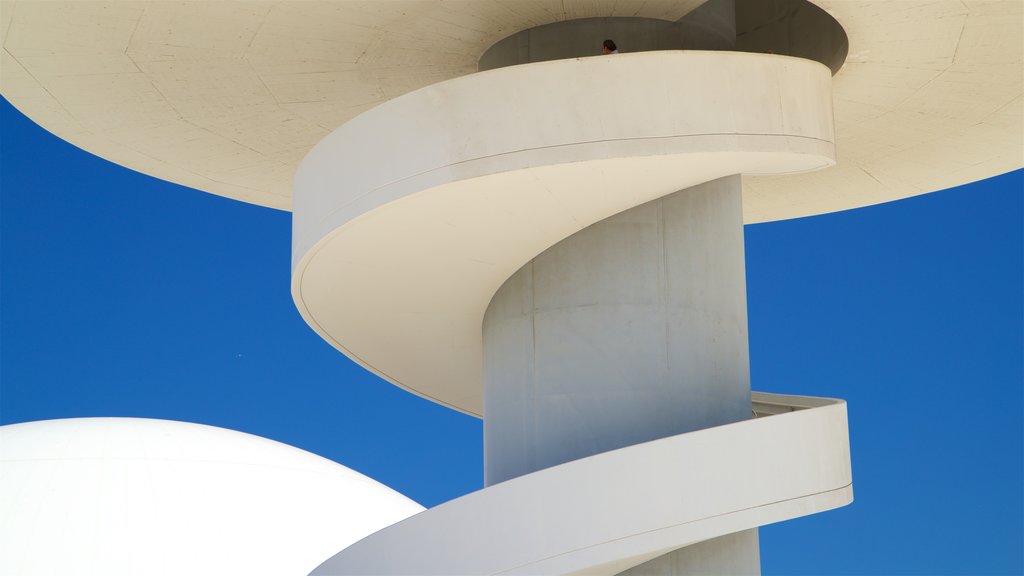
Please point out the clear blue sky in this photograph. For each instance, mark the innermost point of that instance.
(122, 295)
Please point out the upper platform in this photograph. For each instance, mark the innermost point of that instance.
(229, 97)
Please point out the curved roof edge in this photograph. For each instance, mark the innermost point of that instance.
(228, 98)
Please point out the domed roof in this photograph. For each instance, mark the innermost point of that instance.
(127, 496)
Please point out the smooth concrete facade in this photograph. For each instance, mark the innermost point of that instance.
(630, 325)
(146, 497)
(630, 330)
(730, 555)
(409, 218)
(228, 97)
(610, 512)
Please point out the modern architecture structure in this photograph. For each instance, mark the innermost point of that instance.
(498, 221)
(121, 496)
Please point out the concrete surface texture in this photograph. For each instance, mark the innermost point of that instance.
(229, 97)
(732, 554)
(410, 217)
(711, 26)
(609, 512)
(129, 496)
(582, 38)
(616, 391)
(630, 330)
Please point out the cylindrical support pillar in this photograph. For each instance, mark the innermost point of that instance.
(630, 330)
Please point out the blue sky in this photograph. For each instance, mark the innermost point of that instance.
(122, 295)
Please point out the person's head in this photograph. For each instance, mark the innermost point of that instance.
(609, 47)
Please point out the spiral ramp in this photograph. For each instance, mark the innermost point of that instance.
(612, 511)
(408, 219)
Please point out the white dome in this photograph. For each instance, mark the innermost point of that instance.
(128, 496)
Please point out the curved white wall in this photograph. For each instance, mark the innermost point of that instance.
(233, 101)
(409, 217)
(134, 497)
(606, 513)
(631, 330)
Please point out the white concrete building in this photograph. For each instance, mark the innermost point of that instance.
(121, 496)
(553, 243)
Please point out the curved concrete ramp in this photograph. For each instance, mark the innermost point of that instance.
(409, 217)
(606, 513)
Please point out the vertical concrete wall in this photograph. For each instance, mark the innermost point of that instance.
(632, 329)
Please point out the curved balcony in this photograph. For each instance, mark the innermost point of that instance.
(409, 217)
(606, 513)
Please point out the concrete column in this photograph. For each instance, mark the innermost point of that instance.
(730, 555)
(630, 330)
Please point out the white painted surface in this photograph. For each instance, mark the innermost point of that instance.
(228, 97)
(630, 330)
(609, 512)
(410, 217)
(135, 497)
(736, 554)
